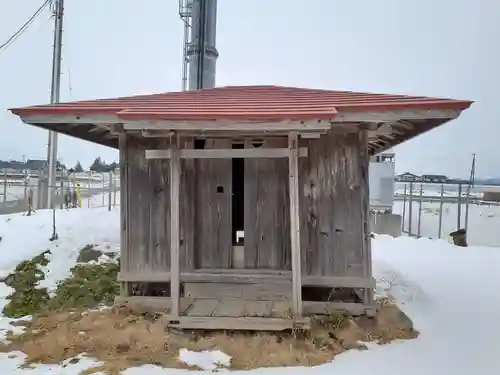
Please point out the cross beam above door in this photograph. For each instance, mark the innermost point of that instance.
(225, 153)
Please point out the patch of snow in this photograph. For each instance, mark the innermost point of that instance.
(10, 363)
(206, 360)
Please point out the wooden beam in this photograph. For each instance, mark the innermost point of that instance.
(71, 119)
(225, 153)
(310, 135)
(175, 177)
(383, 116)
(264, 127)
(249, 276)
(377, 116)
(293, 172)
(241, 323)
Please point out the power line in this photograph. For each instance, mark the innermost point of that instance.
(25, 26)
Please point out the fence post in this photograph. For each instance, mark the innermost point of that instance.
(459, 208)
(419, 211)
(25, 186)
(62, 193)
(467, 200)
(5, 185)
(102, 188)
(114, 189)
(404, 211)
(441, 211)
(110, 189)
(410, 208)
(89, 193)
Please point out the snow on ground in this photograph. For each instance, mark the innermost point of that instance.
(449, 292)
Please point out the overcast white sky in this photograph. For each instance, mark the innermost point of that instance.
(112, 48)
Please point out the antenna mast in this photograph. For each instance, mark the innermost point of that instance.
(185, 13)
(199, 51)
(58, 11)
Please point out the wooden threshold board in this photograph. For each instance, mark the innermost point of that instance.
(241, 323)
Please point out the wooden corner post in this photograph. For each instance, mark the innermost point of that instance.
(365, 204)
(175, 177)
(124, 216)
(293, 173)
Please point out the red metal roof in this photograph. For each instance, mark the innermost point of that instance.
(251, 103)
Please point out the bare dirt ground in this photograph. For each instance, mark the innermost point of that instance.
(121, 340)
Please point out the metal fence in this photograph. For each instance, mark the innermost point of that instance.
(19, 191)
(436, 210)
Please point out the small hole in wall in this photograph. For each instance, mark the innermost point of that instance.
(257, 144)
(220, 189)
(199, 144)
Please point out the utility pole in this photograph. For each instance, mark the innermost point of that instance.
(58, 11)
(472, 176)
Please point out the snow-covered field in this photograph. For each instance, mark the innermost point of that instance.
(449, 292)
(483, 223)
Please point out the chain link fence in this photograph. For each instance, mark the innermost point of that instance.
(19, 191)
(436, 210)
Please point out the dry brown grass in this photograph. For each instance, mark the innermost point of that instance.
(121, 340)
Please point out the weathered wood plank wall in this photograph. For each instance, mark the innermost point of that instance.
(187, 210)
(147, 217)
(331, 209)
(148, 211)
(331, 188)
(212, 234)
(267, 211)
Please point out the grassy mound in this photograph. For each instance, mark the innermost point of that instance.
(89, 253)
(89, 285)
(27, 299)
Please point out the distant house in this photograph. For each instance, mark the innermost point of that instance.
(434, 178)
(31, 166)
(35, 165)
(407, 177)
(12, 165)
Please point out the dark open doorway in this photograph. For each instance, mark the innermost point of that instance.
(238, 194)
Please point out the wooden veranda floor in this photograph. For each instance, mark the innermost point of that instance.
(230, 314)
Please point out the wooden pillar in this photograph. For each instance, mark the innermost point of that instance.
(124, 247)
(175, 176)
(293, 172)
(365, 199)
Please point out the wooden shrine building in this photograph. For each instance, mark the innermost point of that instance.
(246, 207)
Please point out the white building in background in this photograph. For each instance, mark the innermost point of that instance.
(382, 175)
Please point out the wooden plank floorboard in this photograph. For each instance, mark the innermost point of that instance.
(204, 307)
(230, 308)
(258, 308)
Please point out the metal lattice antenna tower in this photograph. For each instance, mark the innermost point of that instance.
(199, 54)
(185, 13)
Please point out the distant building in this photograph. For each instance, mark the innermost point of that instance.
(491, 196)
(407, 177)
(35, 165)
(435, 178)
(382, 171)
